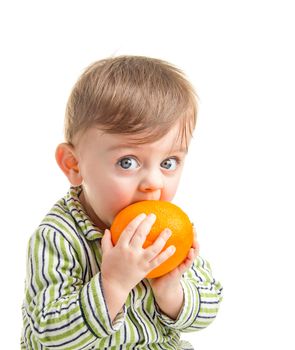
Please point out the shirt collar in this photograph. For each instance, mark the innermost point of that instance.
(88, 228)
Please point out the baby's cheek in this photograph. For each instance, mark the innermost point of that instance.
(170, 188)
(118, 202)
(168, 194)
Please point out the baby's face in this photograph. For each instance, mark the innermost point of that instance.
(117, 172)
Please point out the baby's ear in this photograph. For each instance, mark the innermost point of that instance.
(67, 161)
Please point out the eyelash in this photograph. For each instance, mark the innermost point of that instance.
(126, 157)
(177, 159)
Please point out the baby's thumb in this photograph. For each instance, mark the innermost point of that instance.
(106, 242)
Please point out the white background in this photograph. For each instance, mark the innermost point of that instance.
(238, 185)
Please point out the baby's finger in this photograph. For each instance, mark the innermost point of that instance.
(142, 231)
(191, 254)
(188, 261)
(153, 250)
(196, 247)
(195, 243)
(106, 242)
(130, 229)
(160, 258)
(194, 231)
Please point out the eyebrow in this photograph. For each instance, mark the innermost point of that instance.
(135, 146)
(123, 145)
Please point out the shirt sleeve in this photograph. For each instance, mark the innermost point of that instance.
(202, 297)
(64, 312)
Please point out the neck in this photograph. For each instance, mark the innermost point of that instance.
(91, 213)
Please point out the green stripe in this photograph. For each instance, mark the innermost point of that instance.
(188, 302)
(54, 321)
(36, 265)
(51, 268)
(210, 295)
(84, 303)
(98, 302)
(68, 232)
(132, 339)
(64, 334)
(209, 311)
(204, 323)
(117, 336)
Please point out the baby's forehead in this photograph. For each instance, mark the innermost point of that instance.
(169, 141)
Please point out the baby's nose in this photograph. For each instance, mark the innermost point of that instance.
(151, 181)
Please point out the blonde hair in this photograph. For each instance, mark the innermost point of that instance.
(131, 95)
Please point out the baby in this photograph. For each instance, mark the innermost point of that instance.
(128, 125)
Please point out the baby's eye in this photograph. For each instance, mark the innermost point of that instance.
(170, 163)
(128, 163)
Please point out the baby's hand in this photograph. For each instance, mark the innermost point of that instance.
(127, 263)
(171, 279)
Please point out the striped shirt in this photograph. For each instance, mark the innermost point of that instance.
(64, 306)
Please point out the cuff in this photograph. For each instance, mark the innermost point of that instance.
(95, 312)
(188, 312)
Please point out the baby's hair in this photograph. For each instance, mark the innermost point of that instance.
(131, 95)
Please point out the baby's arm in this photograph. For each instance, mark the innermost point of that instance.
(126, 264)
(209, 294)
(59, 303)
(167, 290)
(202, 297)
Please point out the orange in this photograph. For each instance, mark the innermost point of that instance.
(168, 216)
